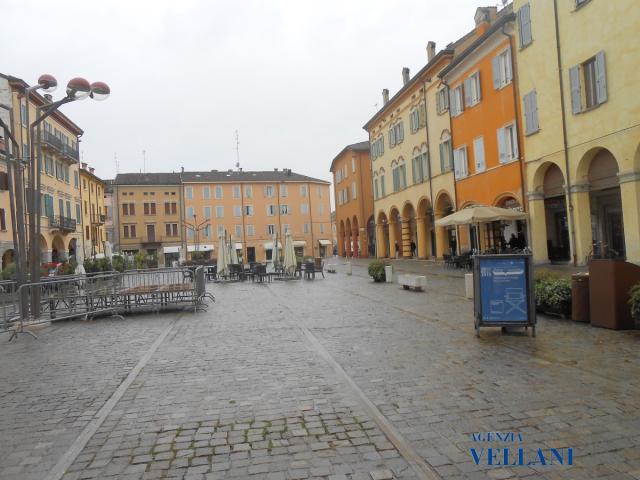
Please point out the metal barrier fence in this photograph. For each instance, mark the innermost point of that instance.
(84, 296)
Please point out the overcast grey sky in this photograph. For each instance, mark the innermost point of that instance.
(298, 79)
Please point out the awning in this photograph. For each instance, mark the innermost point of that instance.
(201, 248)
(238, 246)
(480, 214)
(324, 242)
(299, 243)
(269, 245)
(173, 249)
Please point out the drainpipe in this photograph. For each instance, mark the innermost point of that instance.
(434, 246)
(565, 150)
(516, 103)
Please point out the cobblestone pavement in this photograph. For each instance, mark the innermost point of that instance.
(338, 378)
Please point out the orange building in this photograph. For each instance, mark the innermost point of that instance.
(355, 224)
(487, 149)
(253, 207)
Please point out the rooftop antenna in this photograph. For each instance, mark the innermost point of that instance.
(237, 151)
(144, 161)
(115, 157)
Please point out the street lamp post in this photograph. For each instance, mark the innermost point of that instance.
(196, 227)
(77, 89)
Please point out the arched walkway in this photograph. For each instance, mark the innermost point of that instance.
(371, 237)
(341, 240)
(72, 247)
(395, 233)
(45, 251)
(446, 237)
(58, 250)
(409, 231)
(424, 229)
(382, 236)
(7, 258)
(348, 238)
(355, 235)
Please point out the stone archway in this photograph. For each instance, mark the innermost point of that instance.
(395, 233)
(382, 236)
(58, 250)
(446, 237)
(424, 228)
(409, 231)
(73, 247)
(348, 239)
(342, 249)
(7, 258)
(371, 237)
(355, 235)
(45, 251)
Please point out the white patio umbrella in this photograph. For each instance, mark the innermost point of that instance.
(289, 256)
(80, 262)
(108, 251)
(276, 256)
(223, 260)
(477, 214)
(233, 251)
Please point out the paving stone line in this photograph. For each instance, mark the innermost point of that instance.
(92, 427)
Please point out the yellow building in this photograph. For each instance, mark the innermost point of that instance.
(93, 212)
(412, 162)
(253, 207)
(147, 215)
(60, 180)
(577, 64)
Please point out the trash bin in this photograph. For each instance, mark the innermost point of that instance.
(580, 297)
(609, 288)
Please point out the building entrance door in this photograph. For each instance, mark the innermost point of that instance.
(251, 254)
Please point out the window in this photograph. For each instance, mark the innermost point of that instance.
(321, 209)
(236, 191)
(207, 212)
(399, 177)
(472, 92)
(396, 133)
(530, 101)
(189, 193)
(149, 208)
(239, 231)
(268, 191)
(170, 208)
(23, 113)
(285, 228)
(382, 186)
(303, 191)
(353, 164)
(501, 66)
(478, 154)
(219, 211)
(127, 208)
(248, 191)
(206, 192)
(524, 25)
(442, 100)
(248, 210)
(455, 101)
(218, 192)
(419, 167)
(319, 191)
(190, 233)
(78, 213)
(271, 229)
(284, 209)
(171, 229)
(207, 231)
(353, 190)
(591, 77)
(305, 228)
(304, 208)
(322, 228)
(507, 143)
(129, 231)
(460, 165)
(446, 153)
(76, 181)
(189, 212)
(377, 147)
(376, 192)
(284, 191)
(3, 220)
(237, 210)
(271, 210)
(250, 231)
(220, 230)
(416, 118)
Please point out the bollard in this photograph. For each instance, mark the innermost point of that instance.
(348, 268)
(468, 285)
(388, 273)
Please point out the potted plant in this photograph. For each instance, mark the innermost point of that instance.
(634, 303)
(553, 295)
(376, 271)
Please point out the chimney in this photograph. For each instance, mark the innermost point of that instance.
(385, 96)
(405, 75)
(431, 50)
(484, 17)
(84, 165)
(288, 172)
(181, 169)
(91, 169)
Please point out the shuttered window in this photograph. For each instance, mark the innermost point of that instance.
(460, 162)
(530, 101)
(588, 83)
(524, 25)
(446, 156)
(507, 143)
(478, 154)
(442, 100)
(501, 69)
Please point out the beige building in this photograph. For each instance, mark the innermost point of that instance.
(110, 231)
(147, 215)
(253, 207)
(60, 180)
(93, 211)
(577, 87)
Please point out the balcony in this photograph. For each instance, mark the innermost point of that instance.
(97, 219)
(64, 224)
(70, 152)
(50, 141)
(151, 241)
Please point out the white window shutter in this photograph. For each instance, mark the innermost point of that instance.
(456, 163)
(445, 98)
(524, 24)
(479, 85)
(495, 66)
(401, 131)
(452, 102)
(392, 139)
(576, 94)
(514, 139)
(526, 100)
(381, 144)
(478, 154)
(601, 78)
(443, 161)
(507, 66)
(533, 102)
(467, 92)
(502, 146)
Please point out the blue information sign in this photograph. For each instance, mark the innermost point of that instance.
(503, 289)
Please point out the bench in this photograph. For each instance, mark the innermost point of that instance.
(331, 267)
(415, 282)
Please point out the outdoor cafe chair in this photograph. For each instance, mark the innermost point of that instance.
(319, 266)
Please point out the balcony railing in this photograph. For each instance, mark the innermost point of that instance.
(64, 224)
(70, 152)
(97, 219)
(50, 140)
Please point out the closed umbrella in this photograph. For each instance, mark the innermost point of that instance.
(223, 261)
(289, 256)
(276, 256)
(80, 262)
(234, 252)
(108, 251)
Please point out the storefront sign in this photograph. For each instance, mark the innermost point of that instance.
(503, 288)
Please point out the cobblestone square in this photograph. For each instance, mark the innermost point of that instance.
(336, 378)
